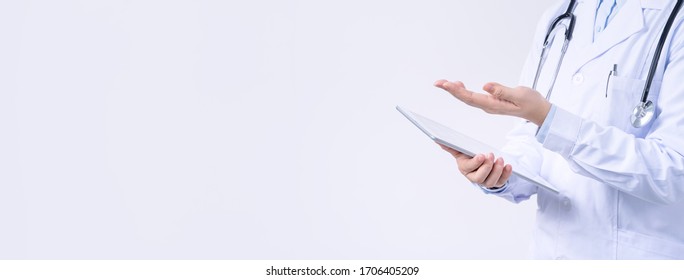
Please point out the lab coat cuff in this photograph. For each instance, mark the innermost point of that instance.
(492, 191)
(544, 128)
(514, 190)
(563, 132)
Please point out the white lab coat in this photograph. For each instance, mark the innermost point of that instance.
(621, 188)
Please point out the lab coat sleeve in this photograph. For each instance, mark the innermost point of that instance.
(523, 188)
(650, 168)
(544, 128)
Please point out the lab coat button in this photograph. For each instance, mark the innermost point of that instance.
(566, 204)
(577, 78)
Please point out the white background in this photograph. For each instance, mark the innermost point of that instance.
(250, 129)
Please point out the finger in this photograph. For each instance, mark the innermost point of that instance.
(495, 174)
(439, 83)
(453, 152)
(467, 164)
(483, 101)
(479, 175)
(507, 171)
(500, 91)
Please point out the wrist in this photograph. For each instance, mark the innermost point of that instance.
(540, 114)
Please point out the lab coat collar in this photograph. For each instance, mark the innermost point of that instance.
(628, 21)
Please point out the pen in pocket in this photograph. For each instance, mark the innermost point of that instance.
(612, 73)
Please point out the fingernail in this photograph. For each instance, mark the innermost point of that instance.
(488, 87)
(446, 84)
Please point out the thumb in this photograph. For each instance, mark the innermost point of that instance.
(499, 91)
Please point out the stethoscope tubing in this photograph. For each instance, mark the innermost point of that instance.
(644, 111)
(659, 50)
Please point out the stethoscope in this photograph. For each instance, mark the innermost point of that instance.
(644, 111)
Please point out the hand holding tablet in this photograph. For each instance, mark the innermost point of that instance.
(469, 146)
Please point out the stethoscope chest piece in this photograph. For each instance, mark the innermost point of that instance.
(642, 114)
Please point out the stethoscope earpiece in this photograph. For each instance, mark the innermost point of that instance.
(642, 114)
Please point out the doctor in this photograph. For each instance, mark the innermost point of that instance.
(621, 184)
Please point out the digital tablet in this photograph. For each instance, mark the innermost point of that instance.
(469, 146)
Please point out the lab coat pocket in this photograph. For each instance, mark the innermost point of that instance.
(634, 245)
(621, 96)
